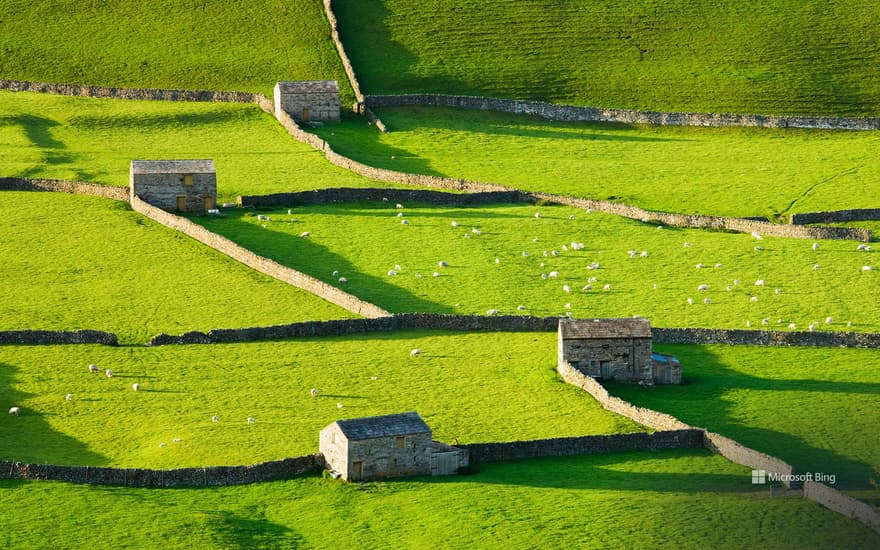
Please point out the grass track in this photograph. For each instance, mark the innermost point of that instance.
(719, 171)
(365, 241)
(209, 44)
(661, 500)
(71, 262)
(781, 57)
(470, 387)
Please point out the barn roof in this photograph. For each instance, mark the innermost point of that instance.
(172, 166)
(605, 328)
(308, 86)
(371, 427)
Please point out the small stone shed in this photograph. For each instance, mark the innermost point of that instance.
(308, 100)
(615, 349)
(175, 185)
(394, 445)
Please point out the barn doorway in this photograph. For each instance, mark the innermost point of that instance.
(181, 203)
(208, 202)
(606, 369)
(305, 114)
(357, 470)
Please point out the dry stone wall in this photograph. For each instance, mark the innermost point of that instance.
(127, 93)
(52, 337)
(842, 504)
(765, 337)
(64, 186)
(181, 477)
(590, 444)
(836, 216)
(595, 114)
(259, 263)
(351, 194)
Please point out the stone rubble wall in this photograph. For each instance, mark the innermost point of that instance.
(259, 263)
(64, 186)
(352, 194)
(836, 216)
(180, 477)
(842, 504)
(56, 337)
(571, 113)
(151, 94)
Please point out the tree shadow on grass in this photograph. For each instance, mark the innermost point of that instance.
(232, 530)
(29, 438)
(703, 401)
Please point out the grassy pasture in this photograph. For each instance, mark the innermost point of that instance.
(660, 500)
(720, 171)
(783, 57)
(44, 136)
(469, 387)
(72, 262)
(363, 242)
(211, 45)
(817, 408)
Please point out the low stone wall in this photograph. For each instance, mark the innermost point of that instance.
(181, 477)
(734, 452)
(50, 337)
(64, 186)
(765, 337)
(259, 263)
(573, 113)
(350, 194)
(836, 216)
(842, 504)
(152, 94)
(584, 445)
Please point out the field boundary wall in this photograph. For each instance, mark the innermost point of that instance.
(257, 262)
(52, 337)
(836, 216)
(65, 186)
(572, 113)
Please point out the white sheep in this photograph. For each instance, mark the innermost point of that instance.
(404, 222)
(400, 214)
(415, 352)
(748, 324)
(521, 308)
(215, 418)
(492, 312)
(497, 260)
(566, 288)
(568, 306)
(442, 263)
(736, 281)
(339, 405)
(815, 246)
(753, 299)
(305, 234)
(68, 397)
(262, 218)
(759, 248)
(592, 266)
(829, 320)
(707, 300)
(535, 240)
(606, 287)
(136, 386)
(251, 420)
(792, 326)
(476, 231)
(553, 274)
(777, 291)
(699, 266)
(757, 235)
(94, 369)
(343, 280)
(571, 216)
(543, 275)
(765, 321)
(537, 215)
(314, 392)
(703, 287)
(335, 273)
(454, 223)
(108, 373)
(690, 301)
(391, 273)
(719, 265)
(587, 288)
(565, 248)
(759, 282)
(867, 268)
(554, 253)
(435, 274)
(817, 267)
(863, 247)
(644, 254)
(525, 254)
(398, 205)
(15, 411)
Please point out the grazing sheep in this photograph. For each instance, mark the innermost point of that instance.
(339, 405)
(391, 273)
(571, 217)
(343, 280)
(592, 279)
(441, 263)
(644, 254)
(314, 392)
(404, 222)
(68, 397)
(521, 308)
(251, 420)
(136, 386)
(415, 352)
(525, 254)
(577, 246)
(537, 215)
(863, 247)
(454, 223)
(305, 234)
(398, 205)
(690, 301)
(729, 288)
(553, 274)
(554, 253)
(94, 369)
(162, 444)
(497, 260)
(719, 266)
(753, 299)
(543, 275)
(400, 214)
(699, 266)
(777, 291)
(687, 244)
(336, 273)
(467, 236)
(815, 246)
(867, 268)
(262, 218)
(829, 320)
(15, 411)
(215, 418)
(397, 267)
(748, 324)
(436, 274)
(108, 373)
(566, 288)
(535, 240)
(492, 312)
(176, 440)
(817, 267)
(565, 248)
(792, 326)
(703, 287)
(757, 235)
(759, 282)
(765, 321)
(707, 300)
(587, 288)
(812, 327)
(568, 306)
(606, 287)
(759, 248)
(594, 265)
(632, 253)
(476, 231)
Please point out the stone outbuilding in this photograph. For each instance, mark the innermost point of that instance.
(394, 445)
(175, 185)
(308, 100)
(615, 349)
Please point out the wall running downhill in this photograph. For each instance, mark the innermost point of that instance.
(64, 186)
(259, 263)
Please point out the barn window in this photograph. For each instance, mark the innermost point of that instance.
(187, 179)
(400, 441)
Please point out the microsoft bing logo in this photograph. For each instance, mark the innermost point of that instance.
(759, 477)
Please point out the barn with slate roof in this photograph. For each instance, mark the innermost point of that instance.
(175, 185)
(308, 100)
(615, 349)
(394, 445)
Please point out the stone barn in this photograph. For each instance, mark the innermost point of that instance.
(308, 100)
(615, 349)
(394, 445)
(175, 185)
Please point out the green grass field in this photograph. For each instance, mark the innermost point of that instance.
(468, 387)
(684, 499)
(719, 171)
(211, 44)
(783, 57)
(72, 262)
(363, 242)
(95, 140)
(817, 408)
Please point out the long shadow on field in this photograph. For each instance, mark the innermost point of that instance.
(38, 131)
(704, 400)
(231, 530)
(29, 438)
(303, 254)
(171, 121)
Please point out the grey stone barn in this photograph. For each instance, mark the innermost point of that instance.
(308, 100)
(615, 349)
(175, 185)
(394, 445)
